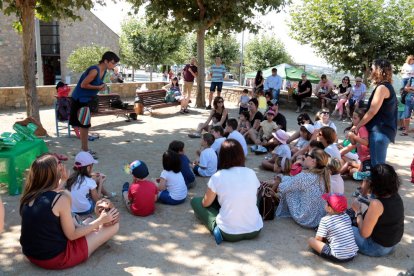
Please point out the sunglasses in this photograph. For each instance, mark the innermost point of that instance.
(220, 102)
(309, 155)
(301, 122)
(325, 113)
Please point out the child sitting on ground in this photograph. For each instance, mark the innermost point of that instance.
(85, 187)
(244, 101)
(171, 183)
(306, 131)
(189, 178)
(141, 195)
(215, 119)
(244, 124)
(334, 239)
(218, 133)
(337, 183)
(207, 165)
(231, 129)
(266, 129)
(281, 150)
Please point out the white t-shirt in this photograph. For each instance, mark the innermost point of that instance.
(236, 190)
(333, 151)
(175, 184)
(337, 184)
(208, 160)
(407, 71)
(80, 194)
(301, 143)
(239, 137)
(217, 144)
(283, 150)
(319, 124)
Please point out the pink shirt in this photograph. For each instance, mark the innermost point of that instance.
(363, 151)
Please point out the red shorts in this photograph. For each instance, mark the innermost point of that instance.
(76, 252)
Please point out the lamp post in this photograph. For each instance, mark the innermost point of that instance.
(241, 59)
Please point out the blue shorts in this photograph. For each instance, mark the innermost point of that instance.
(164, 197)
(90, 209)
(327, 254)
(401, 115)
(409, 106)
(214, 84)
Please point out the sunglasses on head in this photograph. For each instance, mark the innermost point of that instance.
(309, 155)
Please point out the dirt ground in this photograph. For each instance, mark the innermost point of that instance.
(172, 241)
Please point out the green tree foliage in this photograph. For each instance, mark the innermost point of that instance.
(350, 34)
(187, 49)
(202, 16)
(126, 49)
(46, 10)
(151, 45)
(83, 57)
(265, 51)
(224, 46)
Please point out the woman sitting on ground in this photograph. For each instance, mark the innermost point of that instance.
(256, 117)
(49, 237)
(301, 194)
(174, 87)
(219, 111)
(228, 209)
(327, 136)
(381, 226)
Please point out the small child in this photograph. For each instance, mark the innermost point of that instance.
(189, 178)
(215, 119)
(266, 129)
(231, 129)
(207, 165)
(244, 101)
(336, 228)
(401, 108)
(337, 183)
(306, 131)
(262, 102)
(281, 150)
(85, 187)
(141, 195)
(297, 166)
(244, 124)
(282, 166)
(171, 183)
(218, 133)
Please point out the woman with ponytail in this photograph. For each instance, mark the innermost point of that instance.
(300, 195)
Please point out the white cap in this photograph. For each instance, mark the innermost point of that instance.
(84, 158)
(309, 128)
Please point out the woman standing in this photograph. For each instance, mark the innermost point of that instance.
(219, 112)
(228, 208)
(407, 70)
(304, 91)
(90, 83)
(381, 227)
(301, 195)
(49, 237)
(258, 83)
(382, 116)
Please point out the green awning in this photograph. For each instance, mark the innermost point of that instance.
(286, 71)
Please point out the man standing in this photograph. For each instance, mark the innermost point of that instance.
(189, 74)
(273, 84)
(356, 97)
(217, 72)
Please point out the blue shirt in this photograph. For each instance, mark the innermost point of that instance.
(85, 95)
(217, 72)
(273, 82)
(186, 170)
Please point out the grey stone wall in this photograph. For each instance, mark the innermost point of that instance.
(11, 72)
(90, 31)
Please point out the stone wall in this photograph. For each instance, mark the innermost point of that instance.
(90, 31)
(11, 72)
(13, 97)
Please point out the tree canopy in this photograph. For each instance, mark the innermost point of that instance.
(46, 10)
(222, 45)
(83, 57)
(265, 51)
(350, 34)
(210, 16)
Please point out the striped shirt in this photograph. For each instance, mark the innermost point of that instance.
(217, 72)
(337, 229)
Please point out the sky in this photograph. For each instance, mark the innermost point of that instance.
(272, 23)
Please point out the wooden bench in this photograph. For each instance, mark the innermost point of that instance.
(104, 108)
(153, 99)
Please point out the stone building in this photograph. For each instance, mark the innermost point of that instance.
(58, 40)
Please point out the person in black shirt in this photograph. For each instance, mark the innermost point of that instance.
(304, 91)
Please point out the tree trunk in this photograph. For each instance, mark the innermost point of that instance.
(151, 72)
(367, 73)
(200, 100)
(29, 69)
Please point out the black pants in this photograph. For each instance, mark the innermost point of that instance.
(299, 98)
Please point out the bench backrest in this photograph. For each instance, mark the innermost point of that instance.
(152, 97)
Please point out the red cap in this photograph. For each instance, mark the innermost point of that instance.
(337, 202)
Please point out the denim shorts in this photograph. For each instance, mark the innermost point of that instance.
(369, 247)
(214, 84)
(409, 106)
(90, 209)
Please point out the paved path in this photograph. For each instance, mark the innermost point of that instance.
(172, 241)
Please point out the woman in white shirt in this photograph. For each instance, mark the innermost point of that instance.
(407, 70)
(228, 208)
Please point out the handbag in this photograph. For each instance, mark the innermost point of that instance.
(170, 97)
(267, 201)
